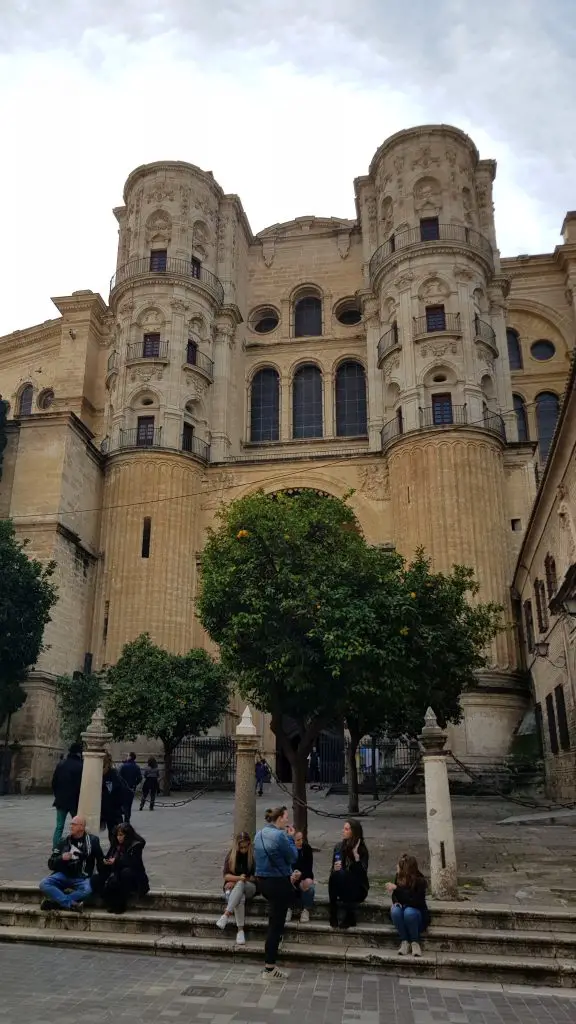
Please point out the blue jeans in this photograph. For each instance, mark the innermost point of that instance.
(52, 888)
(307, 897)
(60, 823)
(407, 922)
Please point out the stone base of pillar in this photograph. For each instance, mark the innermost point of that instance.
(247, 746)
(443, 868)
(95, 739)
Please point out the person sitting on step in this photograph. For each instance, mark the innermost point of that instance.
(239, 884)
(304, 888)
(409, 913)
(348, 882)
(72, 864)
(124, 874)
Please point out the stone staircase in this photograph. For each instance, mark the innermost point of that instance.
(465, 941)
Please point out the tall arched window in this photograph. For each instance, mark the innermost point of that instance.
(521, 418)
(514, 349)
(307, 402)
(308, 317)
(25, 401)
(547, 409)
(265, 405)
(351, 419)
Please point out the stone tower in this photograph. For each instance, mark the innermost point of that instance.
(168, 377)
(437, 333)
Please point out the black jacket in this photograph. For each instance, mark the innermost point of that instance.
(413, 896)
(129, 858)
(358, 869)
(66, 783)
(130, 772)
(114, 795)
(91, 856)
(305, 862)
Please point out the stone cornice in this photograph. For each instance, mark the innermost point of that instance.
(424, 131)
(48, 331)
(147, 279)
(306, 225)
(169, 167)
(392, 262)
(81, 302)
(236, 203)
(40, 421)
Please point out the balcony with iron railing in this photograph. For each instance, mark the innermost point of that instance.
(169, 266)
(147, 350)
(137, 437)
(389, 341)
(456, 234)
(443, 417)
(434, 417)
(436, 323)
(112, 362)
(199, 360)
(483, 331)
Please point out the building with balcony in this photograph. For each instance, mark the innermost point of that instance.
(396, 354)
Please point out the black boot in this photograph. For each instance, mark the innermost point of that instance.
(333, 915)
(349, 918)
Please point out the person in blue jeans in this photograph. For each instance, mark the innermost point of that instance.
(304, 888)
(275, 854)
(72, 864)
(409, 913)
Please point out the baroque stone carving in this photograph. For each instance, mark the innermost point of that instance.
(424, 158)
(196, 385)
(439, 350)
(427, 193)
(159, 193)
(375, 482)
(434, 289)
(343, 243)
(391, 366)
(126, 309)
(387, 216)
(179, 306)
(184, 200)
(146, 373)
(404, 281)
(269, 249)
(159, 228)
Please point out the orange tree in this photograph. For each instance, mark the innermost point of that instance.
(319, 627)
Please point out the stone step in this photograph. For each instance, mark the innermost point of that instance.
(442, 966)
(382, 936)
(463, 915)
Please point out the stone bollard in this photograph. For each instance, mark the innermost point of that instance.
(443, 870)
(95, 739)
(247, 744)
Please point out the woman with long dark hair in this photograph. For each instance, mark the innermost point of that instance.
(125, 874)
(239, 884)
(409, 913)
(151, 782)
(276, 854)
(348, 883)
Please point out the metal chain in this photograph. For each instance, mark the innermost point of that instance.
(506, 796)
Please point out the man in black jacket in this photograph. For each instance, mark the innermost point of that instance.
(130, 774)
(66, 789)
(72, 863)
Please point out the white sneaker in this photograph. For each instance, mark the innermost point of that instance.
(416, 949)
(275, 975)
(305, 917)
(240, 937)
(404, 949)
(288, 915)
(222, 921)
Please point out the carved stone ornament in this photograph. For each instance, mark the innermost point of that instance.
(144, 374)
(451, 156)
(159, 227)
(424, 158)
(463, 273)
(184, 200)
(569, 294)
(343, 243)
(269, 249)
(159, 193)
(434, 289)
(391, 366)
(404, 281)
(179, 306)
(375, 482)
(126, 309)
(439, 350)
(195, 385)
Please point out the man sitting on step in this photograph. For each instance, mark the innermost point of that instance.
(72, 863)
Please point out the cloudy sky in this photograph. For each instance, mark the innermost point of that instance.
(284, 100)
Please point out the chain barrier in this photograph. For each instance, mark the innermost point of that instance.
(344, 817)
(200, 792)
(523, 802)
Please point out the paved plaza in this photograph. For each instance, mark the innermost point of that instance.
(521, 864)
(56, 986)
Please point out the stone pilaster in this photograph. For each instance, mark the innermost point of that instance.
(95, 739)
(443, 871)
(247, 745)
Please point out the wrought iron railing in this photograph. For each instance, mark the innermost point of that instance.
(435, 416)
(494, 422)
(388, 341)
(147, 350)
(432, 323)
(201, 360)
(390, 430)
(138, 438)
(112, 362)
(170, 265)
(484, 331)
(414, 236)
(196, 446)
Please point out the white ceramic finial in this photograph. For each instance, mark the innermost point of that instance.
(246, 727)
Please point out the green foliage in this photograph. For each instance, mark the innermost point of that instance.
(162, 695)
(27, 594)
(78, 697)
(3, 435)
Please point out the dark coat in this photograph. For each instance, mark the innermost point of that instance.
(114, 795)
(128, 866)
(131, 774)
(83, 866)
(261, 771)
(305, 862)
(66, 784)
(356, 869)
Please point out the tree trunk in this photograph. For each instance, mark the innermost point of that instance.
(167, 783)
(352, 747)
(300, 812)
(374, 770)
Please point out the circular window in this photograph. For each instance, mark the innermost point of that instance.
(264, 320)
(147, 401)
(45, 399)
(542, 350)
(348, 313)
(439, 378)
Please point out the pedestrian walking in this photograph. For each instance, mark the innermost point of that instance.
(348, 882)
(239, 884)
(132, 776)
(151, 783)
(275, 854)
(261, 775)
(409, 913)
(66, 782)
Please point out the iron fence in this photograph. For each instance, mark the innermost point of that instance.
(204, 762)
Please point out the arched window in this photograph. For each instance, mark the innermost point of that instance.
(307, 402)
(308, 317)
(25, 401)
(265, 405)
(514, 349)
(351, 419)
(547, 409)
(521, 418)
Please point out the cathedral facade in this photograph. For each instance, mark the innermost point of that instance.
(396, 354)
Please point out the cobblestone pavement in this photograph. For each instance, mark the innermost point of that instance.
(517, 864)
(56, 986)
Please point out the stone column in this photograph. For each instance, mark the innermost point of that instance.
(443, 871)
(247, 745)
(95, 739)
